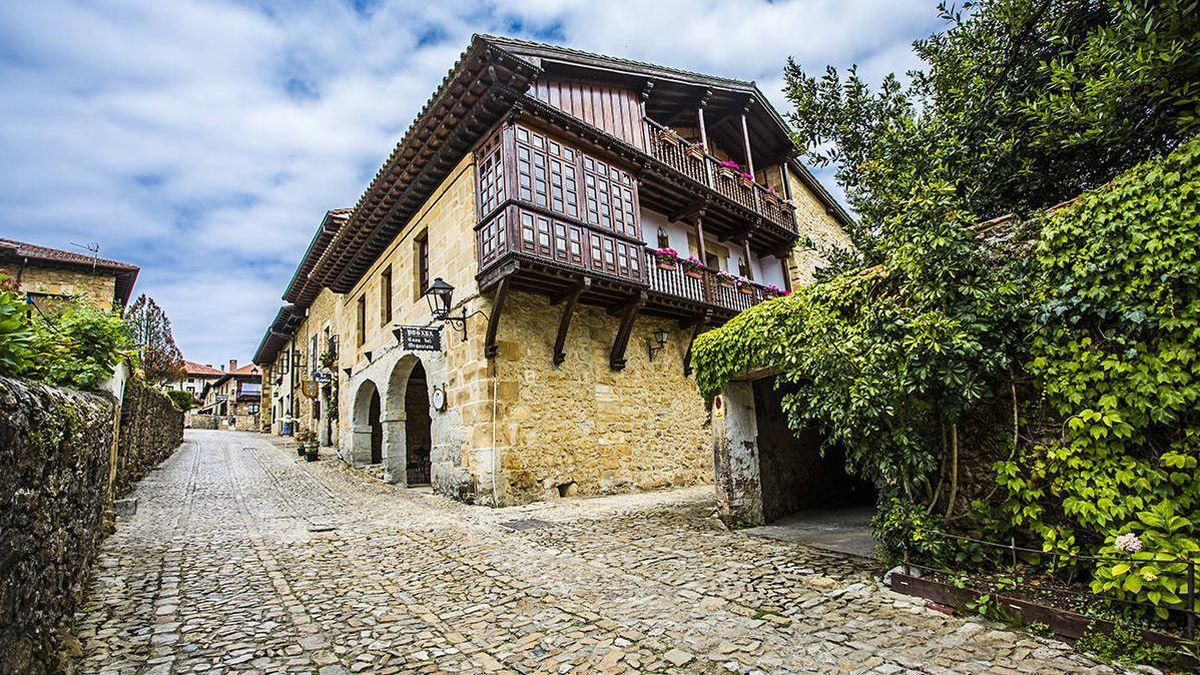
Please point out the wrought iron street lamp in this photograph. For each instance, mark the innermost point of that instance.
(656, 342)
(440, 296)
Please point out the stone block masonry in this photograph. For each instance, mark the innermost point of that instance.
(57, 479)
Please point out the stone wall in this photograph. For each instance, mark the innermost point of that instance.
(99, 287)
(55, 451)
(583, 428)
(60, 466)
(151, 429)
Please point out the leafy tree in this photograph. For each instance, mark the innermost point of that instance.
(1022, 104)
(150, 328)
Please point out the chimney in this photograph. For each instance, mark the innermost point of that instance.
(232, 365)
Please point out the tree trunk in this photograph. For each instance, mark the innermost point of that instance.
(953, 468)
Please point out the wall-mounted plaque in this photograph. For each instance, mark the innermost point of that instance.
(418, 339)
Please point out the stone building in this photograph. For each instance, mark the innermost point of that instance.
(197, 376)
(44, 274)
(235, 397)
(509, 320)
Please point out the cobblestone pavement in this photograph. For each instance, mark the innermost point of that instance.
(239, 558)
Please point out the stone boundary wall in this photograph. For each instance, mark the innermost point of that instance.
(60, 465)
(151, 429)
(55, 452)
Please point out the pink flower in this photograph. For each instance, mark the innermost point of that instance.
(1128, 542)
(729, 164)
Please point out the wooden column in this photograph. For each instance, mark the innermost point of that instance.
(746, 252)
(783, 178)
(705, 281)
(746, 139)
(704, 134)
(787, 277)
(490, 348)
(645, 96)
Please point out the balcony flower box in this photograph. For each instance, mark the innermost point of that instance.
(772, 197)
(726, 280)
(746, 180)
(669, 137)
(745, 286)
(666, 258)
(692, 267)
(779, 292)
(728, 170)
(694, 150)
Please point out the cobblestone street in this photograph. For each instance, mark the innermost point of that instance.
(241, 558)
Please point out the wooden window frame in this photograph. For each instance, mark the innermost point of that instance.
(421, 263)
(361, 320)
(385, 296)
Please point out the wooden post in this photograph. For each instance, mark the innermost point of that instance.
(746, 252)
(645, 96)
(746, 139)
(787, 275)
(704, 135)
(705, 281)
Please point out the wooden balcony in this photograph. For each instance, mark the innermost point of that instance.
(706, 170)
(542, 252)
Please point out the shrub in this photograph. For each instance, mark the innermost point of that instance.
(79, 345)
(16, 336)
(182, 399)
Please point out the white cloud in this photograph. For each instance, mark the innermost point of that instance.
(204, 140)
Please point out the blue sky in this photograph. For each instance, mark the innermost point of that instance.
(203, 141)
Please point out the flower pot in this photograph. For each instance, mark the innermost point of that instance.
(746, 290)
(746, 182)
(693, 273)
(694, 151)
(664, 264)
(725, 283)
(669, 137)
(311, 454)
(726, 173)
(300, 450)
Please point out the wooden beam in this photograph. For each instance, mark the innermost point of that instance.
(696, 330)
(564, 323)
(616, 359)
(746, 252)
(490, 349)
(746, 138)
(693, 209)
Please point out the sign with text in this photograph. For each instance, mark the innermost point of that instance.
(417, 339)
(323, 378)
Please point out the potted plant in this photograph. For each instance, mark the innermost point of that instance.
(692, 267)
(303, 438)
(311, 454)
(777, 290)
(725, 279)
(669, 137)
(328, 359)
(747, 180)
(728, 169)
(772, 197)
(694, 150)
(666, 257)
(745, 286)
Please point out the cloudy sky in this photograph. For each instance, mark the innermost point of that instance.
(204, 140)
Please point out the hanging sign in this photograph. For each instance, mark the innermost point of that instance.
(417, 339)
(323, 378)
(310, 388)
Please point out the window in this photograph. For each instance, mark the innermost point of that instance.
(362, 320)
(422, 244)
(385, 296)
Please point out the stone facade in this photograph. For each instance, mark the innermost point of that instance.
(818, 231)
(97, 287)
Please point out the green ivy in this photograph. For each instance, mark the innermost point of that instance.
(16, 336)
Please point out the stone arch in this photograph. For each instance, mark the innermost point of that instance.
(366, 425)
(404, 461)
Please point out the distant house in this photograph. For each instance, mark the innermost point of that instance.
(237, 393)
(44, 274)
(197, 377)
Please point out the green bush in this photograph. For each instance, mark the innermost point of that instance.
(182, 399)
(78, 345)
(16, 336)
(900, 525)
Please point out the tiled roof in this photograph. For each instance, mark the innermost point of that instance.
(125, 273)
(248, 369)
(201, 369)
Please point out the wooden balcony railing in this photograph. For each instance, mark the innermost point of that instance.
(519, 229)
(707, 289)
(706, 169)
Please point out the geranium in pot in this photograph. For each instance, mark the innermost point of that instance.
(745, 286)
(772, 196)
(692, 267)
(747, 180)
(728, 169)
(694, 150)
(669, 137)
(726, 280)
(777, 290)
(666, 257)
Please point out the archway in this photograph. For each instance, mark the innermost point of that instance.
(366, 426)
(418, 439)
(407, 441)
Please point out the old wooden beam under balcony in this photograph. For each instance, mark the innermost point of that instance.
(696, 330)
(616, 359)
(564, 322)
(490, 349)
